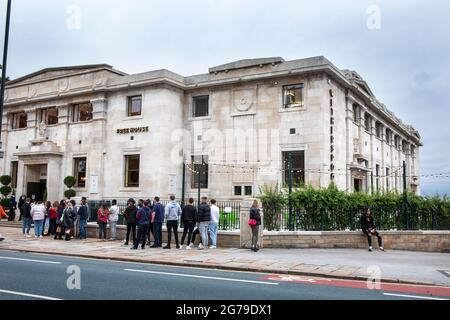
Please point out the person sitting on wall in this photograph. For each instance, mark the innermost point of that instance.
(369, 229)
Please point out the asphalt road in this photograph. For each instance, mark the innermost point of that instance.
(38, 276)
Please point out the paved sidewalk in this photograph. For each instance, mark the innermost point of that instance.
(394, 266)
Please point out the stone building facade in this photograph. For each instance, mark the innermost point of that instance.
(238, 127)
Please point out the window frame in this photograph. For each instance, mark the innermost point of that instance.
(43, 115)
(194, 106)
(76, 172)
(75, 108)
(290, 87)
(127, 171)
(130, 100)
(16, 120)
(301, 175)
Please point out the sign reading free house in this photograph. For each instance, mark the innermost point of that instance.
(132, 130)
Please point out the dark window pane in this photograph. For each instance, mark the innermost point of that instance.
(238, 191)
(201, 106)
(132, 167)
(134, 106)
(80, 172)
(19, 120)
(248, 190)
(298, 167)
(200, 172)
(293, 95)
(14, 170)
(82, 112)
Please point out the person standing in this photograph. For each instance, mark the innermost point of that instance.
(83, 217)
(59, 227)
(21, 202)
(38, 216)
(158, 211)
(204, 219)
(130, 216)
(102, 219)
(48, 205)
(214, 224)
(26, 218)
(369, 229)
(53, 216)
(68, 219)
(255, 222)
(172, 213)
(143, 221)
(12, 209)
(189, 217)
(114, 212)
(150, 228)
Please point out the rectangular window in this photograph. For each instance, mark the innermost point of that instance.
(387, 179)
(377, 174)
(378, 130)
(200, 172)
(134, 106)
(132, 169)
(49, 116)
(82, 112)
(80, 172)
(367, 121)
(14, 171)
(298, 167)
(293, 95)
(237, 190)
(355, 114)
(19, 120)
(388, 136)
(248, 191)
(200, 106)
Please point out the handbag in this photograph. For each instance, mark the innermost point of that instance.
(252, 222)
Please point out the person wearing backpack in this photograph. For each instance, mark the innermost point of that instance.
(143, 221)
(114, 212)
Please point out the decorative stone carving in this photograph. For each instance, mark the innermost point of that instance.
(63, 85)
(42, 129)
(244, 99)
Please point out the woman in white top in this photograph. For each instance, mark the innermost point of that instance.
(113, 218)
(38, 216)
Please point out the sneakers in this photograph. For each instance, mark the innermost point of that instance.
(188, 247)
(370, 249)
(381, 248)
(201, 247)
(35, 237)
(178, 247)
(191, 246)
(166, 247)
(213, 247)
(40, 237)
(133, 248)
(1, 238)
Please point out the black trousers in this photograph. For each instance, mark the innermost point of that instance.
(21, 213)
(12, 215)
(52, 227)
(157, 230)
(131, 228)
(141, 236)
(172, 225)
(376, 234)
(194, 235)
(150, 231)
(188, 227)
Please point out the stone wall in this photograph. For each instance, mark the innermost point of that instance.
(429, 241)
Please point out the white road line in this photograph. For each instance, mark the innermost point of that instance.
(414, 297)
(202, 277)
(28, 295)
(30, 260)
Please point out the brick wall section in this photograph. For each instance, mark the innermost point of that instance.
(430, 241)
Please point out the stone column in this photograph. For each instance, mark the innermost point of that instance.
(54, 182)
(246, 230)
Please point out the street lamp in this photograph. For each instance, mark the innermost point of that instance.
(3, 80)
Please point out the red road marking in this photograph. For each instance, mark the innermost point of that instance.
(358, 284)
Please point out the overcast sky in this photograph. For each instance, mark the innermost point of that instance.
(404, 55)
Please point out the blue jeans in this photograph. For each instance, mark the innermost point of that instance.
(38, 227)
(157, 229)
(83, 224)
(203, 228)
(26, 224)
(213, 233)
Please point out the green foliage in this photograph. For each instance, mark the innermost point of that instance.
(5, 203)
(5, 180)
(332, 209)
(70, 181)
(5, 190)
(45, 195)
(69, 193)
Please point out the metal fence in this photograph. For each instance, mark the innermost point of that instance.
(229, 212)
(342, 220)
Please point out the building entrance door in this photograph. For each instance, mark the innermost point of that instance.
(36, 190)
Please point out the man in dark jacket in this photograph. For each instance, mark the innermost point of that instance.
(130, 215)
(12, 209)
(158, 210)
(143, 221)
(368, 228)
(26, 217)
(83, 217)
(204, 218)
(21, 202)
(189, 218)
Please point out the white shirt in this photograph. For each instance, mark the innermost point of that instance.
(114, 213)
(38, 212)
(215, 214)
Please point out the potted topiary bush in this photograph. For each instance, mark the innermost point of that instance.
(70, 181)
(5, 190)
